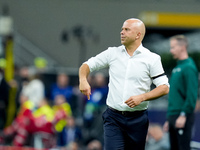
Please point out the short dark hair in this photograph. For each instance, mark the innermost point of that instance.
(182, 40)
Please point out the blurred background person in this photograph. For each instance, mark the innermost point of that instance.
(70, 134)
(73, 146)
(61, 104)
(9, 134)
(41, 129)
(33, 127)
(96, 106)
(22, 79)
(157, 139)
(98, 98)
(34, 88)
(94, 145)
(182, 96)
(62, 87)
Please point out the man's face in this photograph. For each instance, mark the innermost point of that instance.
(175, 48)
(128, 33)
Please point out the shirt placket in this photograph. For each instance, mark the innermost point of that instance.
(126, 81)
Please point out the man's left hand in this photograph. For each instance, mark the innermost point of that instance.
(134, 101)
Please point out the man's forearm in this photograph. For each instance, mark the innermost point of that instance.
(156, 93)
(84, 86)
(84, 71)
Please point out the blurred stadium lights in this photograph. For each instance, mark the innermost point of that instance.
(162, 25)
(6, 27)
(166, 19)
(6, 22)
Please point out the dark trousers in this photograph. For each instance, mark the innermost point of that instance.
(180, 138)
(125, 132)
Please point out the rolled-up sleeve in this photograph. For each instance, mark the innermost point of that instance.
(157, 71)
(162, 80)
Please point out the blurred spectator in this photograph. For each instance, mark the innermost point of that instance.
(101, 89)
(81, 99)
(80, 104)
(61, 104)
(22, 78)
(4, 95)
(94, 145)
(73, 146)
(44, 109)
(71, 133)
(62, 87)
(95, 106)
(16, 127)
(34, 89)
(97, 101)
(29, 123)
(157, 139)
(42, 129)
(183, 95)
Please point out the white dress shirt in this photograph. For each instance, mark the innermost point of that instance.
(129, 75)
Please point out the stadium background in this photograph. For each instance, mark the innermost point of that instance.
(68, 32)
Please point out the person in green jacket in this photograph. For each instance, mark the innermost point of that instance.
(182, 96)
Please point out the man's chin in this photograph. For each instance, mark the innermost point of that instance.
(122, 42)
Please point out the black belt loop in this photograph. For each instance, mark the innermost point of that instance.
(126, 113)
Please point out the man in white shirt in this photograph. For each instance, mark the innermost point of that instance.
(132, 70)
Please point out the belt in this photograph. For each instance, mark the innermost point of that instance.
(127, 113)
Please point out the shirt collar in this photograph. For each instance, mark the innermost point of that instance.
(137, 51)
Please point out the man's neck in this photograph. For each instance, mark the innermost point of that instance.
(183, 56)
(132, 48)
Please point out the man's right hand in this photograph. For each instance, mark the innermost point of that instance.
(85, 88)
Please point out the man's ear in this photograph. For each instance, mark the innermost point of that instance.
(138, 35)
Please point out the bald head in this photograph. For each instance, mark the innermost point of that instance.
(132, 33)
(138, 25)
